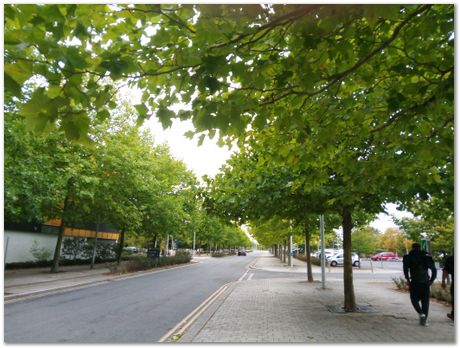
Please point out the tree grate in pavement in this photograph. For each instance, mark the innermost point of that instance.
(359, 309)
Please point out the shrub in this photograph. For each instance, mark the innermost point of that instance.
(141, 262)
(314, 260)
(40, 254)
(401, 283)
(439, 293)
(436, 289)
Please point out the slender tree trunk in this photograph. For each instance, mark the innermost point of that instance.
(57, 250)
(349, 292)
(307, 252)
(120, 246)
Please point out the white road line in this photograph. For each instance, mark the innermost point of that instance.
(250, 276)
(244, 275)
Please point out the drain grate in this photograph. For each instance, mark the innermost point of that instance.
(359, 309)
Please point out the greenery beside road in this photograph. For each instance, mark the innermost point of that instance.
(336, 110)
(124, 178)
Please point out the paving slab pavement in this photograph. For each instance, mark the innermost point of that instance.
(287, 310)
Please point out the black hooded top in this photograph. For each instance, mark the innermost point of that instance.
(417, 263)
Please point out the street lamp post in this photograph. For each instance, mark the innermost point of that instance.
(194, 235)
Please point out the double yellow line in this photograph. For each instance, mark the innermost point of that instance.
(179, 329)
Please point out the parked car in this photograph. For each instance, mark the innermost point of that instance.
(337, 259)
(327, 253)
(131, 249)
(385, 256)
(241, 253)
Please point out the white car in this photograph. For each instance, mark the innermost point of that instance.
(327, 253)
(337, 259)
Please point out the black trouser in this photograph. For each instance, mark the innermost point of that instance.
(452, 295)
(420, 292)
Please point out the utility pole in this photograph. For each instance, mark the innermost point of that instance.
(323, 257)
(291, 254)
(193, 249)
(93, 259)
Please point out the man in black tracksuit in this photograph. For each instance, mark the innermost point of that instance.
(415, 266)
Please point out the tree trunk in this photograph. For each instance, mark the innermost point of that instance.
(307, 252)
(57, 250)
(347, 225)
(120, 246)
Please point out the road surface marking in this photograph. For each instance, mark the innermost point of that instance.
(244, 275)
(250, 276)
(189, 319)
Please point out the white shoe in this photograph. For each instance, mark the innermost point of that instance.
(423, 320)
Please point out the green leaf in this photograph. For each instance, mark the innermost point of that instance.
(76, 126)
(74, 57)
(142, 110)
(80, 31)
(189, 134)
(165, 116)
(201, 139)
(53, 91)
(103, 114)
(19, 72)
(39, 102)
(11, 86)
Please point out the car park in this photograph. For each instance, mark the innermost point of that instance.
(338, 259)
(385, 256)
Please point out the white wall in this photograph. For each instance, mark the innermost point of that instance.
(17, 245)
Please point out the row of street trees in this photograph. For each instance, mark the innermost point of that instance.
(337, 109)
(122, 178)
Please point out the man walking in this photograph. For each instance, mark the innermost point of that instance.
(449, 269)
(415, 267)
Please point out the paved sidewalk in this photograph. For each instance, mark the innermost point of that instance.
(286, 310)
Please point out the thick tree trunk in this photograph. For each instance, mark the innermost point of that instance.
(57, 250)
(349, 292)
(307, 252)
(121, 242)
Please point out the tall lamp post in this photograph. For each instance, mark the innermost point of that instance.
(194, 235)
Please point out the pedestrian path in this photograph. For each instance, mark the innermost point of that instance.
(280, 310)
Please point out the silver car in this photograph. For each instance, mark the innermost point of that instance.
(337, 259)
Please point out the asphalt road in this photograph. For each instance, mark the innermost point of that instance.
(135, 310)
